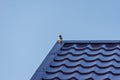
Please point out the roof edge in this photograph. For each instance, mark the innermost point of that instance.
(91, 41)
(46, 61)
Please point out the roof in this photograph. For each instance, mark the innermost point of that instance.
(81, 60)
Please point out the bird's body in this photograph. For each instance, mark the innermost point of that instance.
(60, 39)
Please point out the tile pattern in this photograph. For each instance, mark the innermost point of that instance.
(85, 61)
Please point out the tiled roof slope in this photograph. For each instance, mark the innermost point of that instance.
(81, 60)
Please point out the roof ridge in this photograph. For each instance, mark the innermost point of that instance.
(91, 41)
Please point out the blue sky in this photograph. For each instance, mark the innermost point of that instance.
(29, 29)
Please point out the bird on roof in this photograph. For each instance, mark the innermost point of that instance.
(60, 39)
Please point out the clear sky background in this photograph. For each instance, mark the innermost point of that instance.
(30, 28)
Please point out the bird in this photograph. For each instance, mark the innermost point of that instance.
(60, 39)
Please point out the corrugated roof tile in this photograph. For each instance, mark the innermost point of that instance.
(81, 60)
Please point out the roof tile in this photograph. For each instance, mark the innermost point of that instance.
(82, 60)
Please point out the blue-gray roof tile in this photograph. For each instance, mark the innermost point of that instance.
(81, 60)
